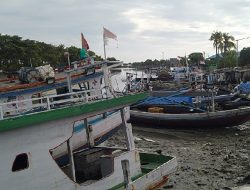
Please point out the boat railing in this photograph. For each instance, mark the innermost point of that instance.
(46, 103)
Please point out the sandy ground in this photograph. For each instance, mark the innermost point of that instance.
(207, 158)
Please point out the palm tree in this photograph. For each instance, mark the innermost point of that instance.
(221, 47)
(228, 42)
(218, 41)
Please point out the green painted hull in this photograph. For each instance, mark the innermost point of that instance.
(72, 111)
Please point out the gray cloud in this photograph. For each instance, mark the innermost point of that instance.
(145, 29)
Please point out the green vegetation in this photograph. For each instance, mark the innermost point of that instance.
(244, 59)
(151, 63)
(16, 52)
(196, 58)
(226, 56)
(228, 60)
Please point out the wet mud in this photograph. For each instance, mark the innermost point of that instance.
(216, 158)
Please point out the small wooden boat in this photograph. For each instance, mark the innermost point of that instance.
(224, 118)
(181, 112)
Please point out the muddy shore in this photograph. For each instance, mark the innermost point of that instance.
(217, 158)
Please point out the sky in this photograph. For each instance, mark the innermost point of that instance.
(146, 29)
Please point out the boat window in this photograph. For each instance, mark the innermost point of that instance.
(21, 162)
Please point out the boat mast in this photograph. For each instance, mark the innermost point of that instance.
(211, 87)
(104, 46)
(187, 66)
(105, 67)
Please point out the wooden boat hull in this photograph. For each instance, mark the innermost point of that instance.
(113, 122)
(225, 118)
(39, 141)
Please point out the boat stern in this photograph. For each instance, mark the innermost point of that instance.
(155, 171)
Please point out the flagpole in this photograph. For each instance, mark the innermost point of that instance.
(187, 66)
(104, 45)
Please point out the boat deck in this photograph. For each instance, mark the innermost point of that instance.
(149, 163)
(85, 109)
(15, 88)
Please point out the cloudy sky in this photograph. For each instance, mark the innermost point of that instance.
(145, 28)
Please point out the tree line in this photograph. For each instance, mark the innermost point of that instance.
(16, 52)
(225, 55)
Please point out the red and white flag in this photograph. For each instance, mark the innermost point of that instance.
(108, 34)
(85, 44)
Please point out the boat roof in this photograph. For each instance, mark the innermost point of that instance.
(167, 100)
(47, 87)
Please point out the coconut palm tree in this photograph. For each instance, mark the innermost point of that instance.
(217, 38)
(228, 42)
(221, 47)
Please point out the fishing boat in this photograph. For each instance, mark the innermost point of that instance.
(180, 112)
(87, 77)
(37, 151)
(36, 98)
(225, 118)
(52, 141)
